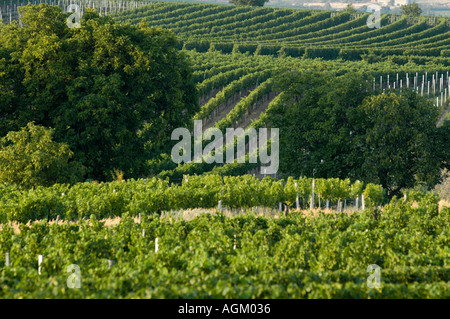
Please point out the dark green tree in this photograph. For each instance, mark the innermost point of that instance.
(316, 123)
(113, 93)
(350, 8)
(411, 9)
(401, 144)
(30, 157)
(333, 127)
(253, 3)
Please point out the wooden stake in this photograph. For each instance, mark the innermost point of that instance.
(7, 259)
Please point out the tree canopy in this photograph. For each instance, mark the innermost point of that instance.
(30, 157)
(113, 93)
(334, 127)
(253, 3)
(411, 9)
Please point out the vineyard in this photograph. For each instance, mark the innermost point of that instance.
(299, 33)
(127, 237)
(151, 196)
(247, 256)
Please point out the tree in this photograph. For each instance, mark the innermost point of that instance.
(334, 128)
(30, 157)
(253, 3)
(411, 9)
(350, 8)
(402, 145)
(113, 93)
(316, 123)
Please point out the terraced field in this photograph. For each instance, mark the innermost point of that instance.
(301, 33)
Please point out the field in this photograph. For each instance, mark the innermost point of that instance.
(247, 256)
(210, 230)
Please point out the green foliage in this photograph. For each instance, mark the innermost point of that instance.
(403, 147)
(149, 196)
(350, 8)
(198, 25)
(315, 121)
(253, 3)
(374, 194)
(289, 257)
(112, 92)
(30, 157)
(411, 9)
(333, 127)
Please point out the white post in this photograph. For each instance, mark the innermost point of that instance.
(327, 205)
(110, 263)
(7, 259)
(311, 206)
(143, 232)
(363, 202)
(357, 203)
(156, 245)
(280, 206)
(234, 246)
(40, 257)
(297, 204)
(220, 205)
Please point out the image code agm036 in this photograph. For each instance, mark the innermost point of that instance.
(227, 308)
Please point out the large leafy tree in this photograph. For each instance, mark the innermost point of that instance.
(401, 144)
(114, 93)
(316, 122)
(334, 127)
(253, 3)
(30, 157)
